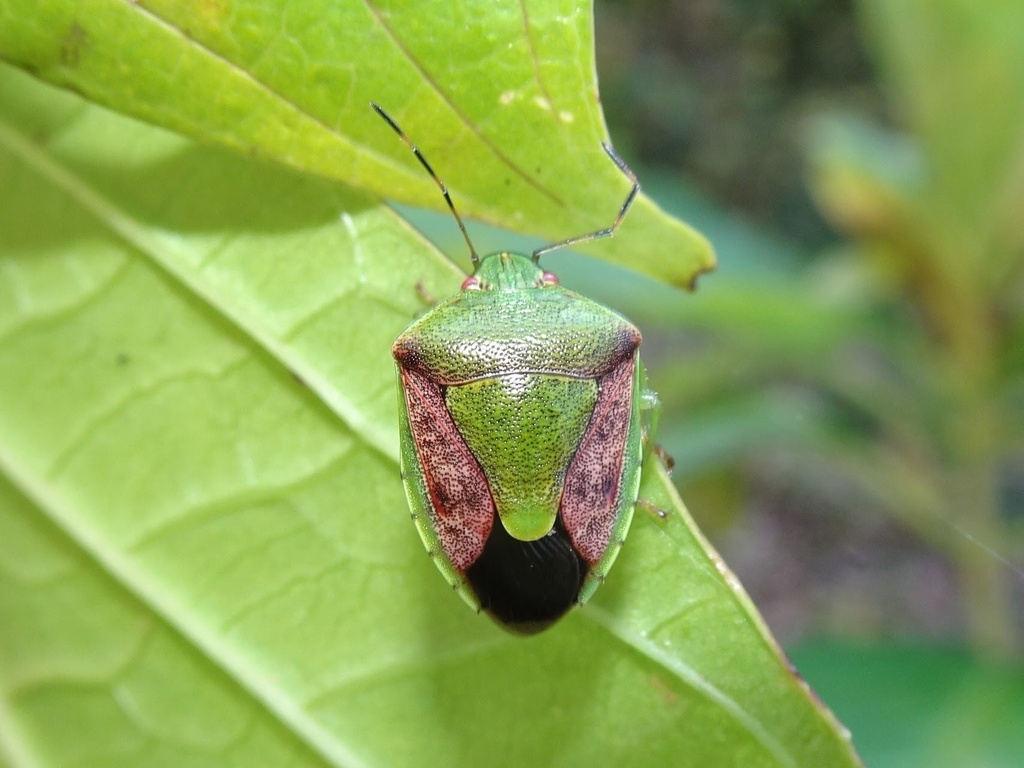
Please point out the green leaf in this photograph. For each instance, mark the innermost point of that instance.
(205, 551)
(92, 676)
(503, 103)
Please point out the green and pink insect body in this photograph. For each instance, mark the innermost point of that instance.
(521, 407)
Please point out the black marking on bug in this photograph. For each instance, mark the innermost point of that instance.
(528, 585)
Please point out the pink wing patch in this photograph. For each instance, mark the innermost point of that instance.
(463, 507)
(595, 473)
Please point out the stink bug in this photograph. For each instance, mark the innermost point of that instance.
(521, 436)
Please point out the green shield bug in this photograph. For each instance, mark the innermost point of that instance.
(521, 437)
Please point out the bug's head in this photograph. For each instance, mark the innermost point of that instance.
(506, 271)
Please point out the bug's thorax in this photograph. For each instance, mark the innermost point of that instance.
(506, 272)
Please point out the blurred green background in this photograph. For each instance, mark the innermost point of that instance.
(844, 396)
(846, 399)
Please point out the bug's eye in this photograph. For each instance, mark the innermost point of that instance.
(471, 283)
(548, 278)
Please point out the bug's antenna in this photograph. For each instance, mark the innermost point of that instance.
(444, 190)
(607, 231)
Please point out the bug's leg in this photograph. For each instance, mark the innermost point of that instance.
(650, 410)
(650, 418)
(666, 459)
(425, 295)
(650, 415)
(652, 509)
